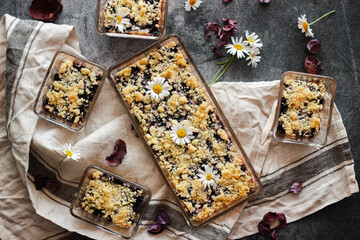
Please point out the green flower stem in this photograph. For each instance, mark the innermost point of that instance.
(322, 17)
(222, 63)
(61, 162)
(217, 76)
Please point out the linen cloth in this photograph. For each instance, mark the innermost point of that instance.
(327, 172)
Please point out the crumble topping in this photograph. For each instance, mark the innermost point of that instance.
(114, 201)
(301, 108)
(145, 16)
(210, 144)
(72, 92)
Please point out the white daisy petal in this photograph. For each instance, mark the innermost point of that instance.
(304, 26)
(204, 176)
(158, 89)
(181, 133)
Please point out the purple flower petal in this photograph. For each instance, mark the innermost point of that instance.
(155, 229)
(313, 65)
(264, 1)
(45, 10)
(213, 27)
(264, 228)
(313, 46)
(118, 153)
(226, 1)
(229, 26)
(273, 216)
(296, 187)
(162, 217)
(274, 235)
(40, 182)
(52, 186)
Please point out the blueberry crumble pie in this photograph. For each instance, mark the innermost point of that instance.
(112, 199)
(142, 17)
(301, 108)
(180, 124)
(72, 92)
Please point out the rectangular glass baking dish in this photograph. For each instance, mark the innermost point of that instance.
(47, 84)
(328, 104)
(78, 212)
(100, 28)
(194, 70)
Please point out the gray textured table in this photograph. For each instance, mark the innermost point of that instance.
(284, 49)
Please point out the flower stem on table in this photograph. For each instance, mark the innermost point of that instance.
(326, 14)
(219, 73)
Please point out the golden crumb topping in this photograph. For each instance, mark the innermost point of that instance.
(209, 146)
(111, 200)
(301, 108)
(71, 94)
(145, 16)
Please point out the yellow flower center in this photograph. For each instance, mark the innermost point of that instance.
(252, 55)
(238, 47)
(192, 2)
(69, 153)
(208, 177)
(119, 18)
(250, 40)
(181, 133)
(305, 26)
(157, 89)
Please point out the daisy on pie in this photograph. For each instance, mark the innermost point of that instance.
(181, 133)
(158, 89)
(238, 47)
(305, 26)
(121, 20)
(253, 40)
(253, 58)
(208, 177)
(194, 4)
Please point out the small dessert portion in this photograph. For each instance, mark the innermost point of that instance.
(301, 108)
(112, 199)
(143, 17)
(181, 125)
(72, 92)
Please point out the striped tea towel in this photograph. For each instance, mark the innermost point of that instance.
(248, 107)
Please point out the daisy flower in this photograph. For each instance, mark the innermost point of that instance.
(158, 89)
(253, 40)
(305, 26)
(194, 4)
(69, 154)
(181, 133)
(208, 177)
(253, 58)
(121, 20)
(238, 47)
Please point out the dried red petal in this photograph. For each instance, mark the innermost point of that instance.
(264, 228)
(45, 10)
(52, 186)
(313, 65)
(313, 46)
(40, 181)
(264, 1)
(213, 27)
(118, 153)
(274, 235)
(162, 217)
(273, 216)
(155, 229)
(226, 1)
(229, 26)
(296, 187)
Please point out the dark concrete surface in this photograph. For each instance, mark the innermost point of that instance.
(284, 49)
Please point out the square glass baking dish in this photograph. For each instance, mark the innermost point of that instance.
(47, 86)
(162, 22)
(238, 152)
(140, 205)
(327, 102)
